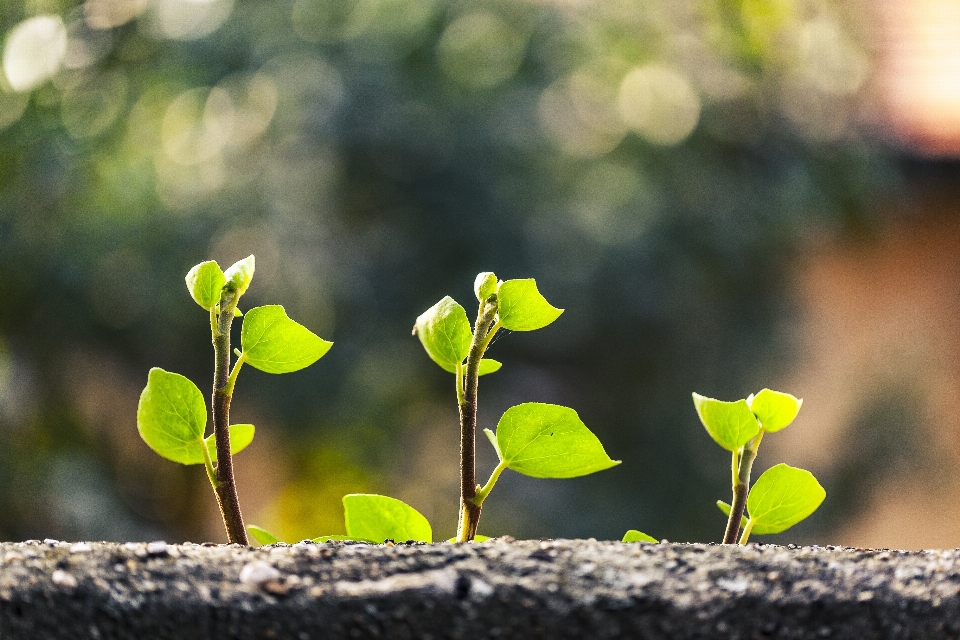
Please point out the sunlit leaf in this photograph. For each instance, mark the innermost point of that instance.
(172, 416)
(274, 343)
(444, 332)
(523, 308)
(726, 508)
(638, 536)
(204, 282)
(379, 518)
(730, 424)
(781, 497)
(487, 365)
(241, 435)
(261, 535)
(774, 409)
(549, 441)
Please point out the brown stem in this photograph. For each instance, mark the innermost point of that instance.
(469, 510)
(741, 490)
(225, 488)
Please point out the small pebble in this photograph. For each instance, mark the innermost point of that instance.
(157, 548)
(257, 573)
(64, 579)
(80, 547)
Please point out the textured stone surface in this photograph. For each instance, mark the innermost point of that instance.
(501, 589)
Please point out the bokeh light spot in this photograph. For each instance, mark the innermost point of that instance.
(480, 50)
(659, 103)
(579, 113)
(34, 51)
(188, 19)
(107, 14)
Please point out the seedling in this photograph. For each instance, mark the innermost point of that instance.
(783, 495)
(538, 440)
(172, 415)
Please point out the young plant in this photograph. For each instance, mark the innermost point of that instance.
(783, 495)
(172, 415)
(539, 440)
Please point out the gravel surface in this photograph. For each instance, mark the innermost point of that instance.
(501, 589)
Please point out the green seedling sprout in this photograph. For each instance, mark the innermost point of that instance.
(172, 415)
(539, 440)
(783, 495)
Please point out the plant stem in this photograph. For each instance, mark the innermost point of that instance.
(467, 398)
(741, 487)
(225, 486)
(487, 488)
(746, 532)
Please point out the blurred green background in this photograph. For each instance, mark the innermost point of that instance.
(657, 167)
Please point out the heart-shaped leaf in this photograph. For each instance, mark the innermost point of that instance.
(172, 416)
(638, 536)
(774, 409)
(444, 332)
(378, 518)
(204, 282)
(274, 343)
(549, 441)
(523, 308)
(781, 497)
(730, 424)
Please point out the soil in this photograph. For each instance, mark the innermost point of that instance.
(500, 589)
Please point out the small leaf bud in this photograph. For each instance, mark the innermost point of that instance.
(239, 276)
(485, 285)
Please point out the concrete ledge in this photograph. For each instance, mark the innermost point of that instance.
(501, 589)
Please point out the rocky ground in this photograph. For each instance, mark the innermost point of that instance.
(501, 589)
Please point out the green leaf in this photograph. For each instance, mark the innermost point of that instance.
(241, 435)
(261, 535)
(638, 536)
(522, 308)
(549, 441)
(485, 285)
(204, 282)
(274, 343)
(781, 497)
(239, 275)
(380, 518)
(774, 409)
(731, 424)
(488, 365)
(172, 416)
(444, 332)
(726, 508)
